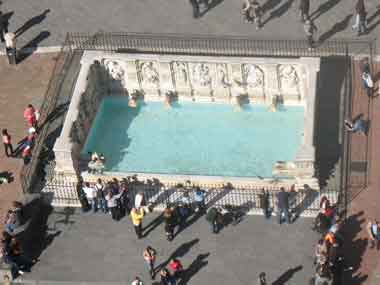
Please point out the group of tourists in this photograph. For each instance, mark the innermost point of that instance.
(11, 250)
(329, 258)
(25, 145)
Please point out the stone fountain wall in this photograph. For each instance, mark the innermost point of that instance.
(197, 78)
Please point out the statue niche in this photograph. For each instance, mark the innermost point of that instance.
(149, 75)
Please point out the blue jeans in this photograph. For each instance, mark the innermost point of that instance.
(285, 213)
(103, 205)
(214, 226)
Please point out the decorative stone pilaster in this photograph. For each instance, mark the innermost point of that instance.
(272, 88)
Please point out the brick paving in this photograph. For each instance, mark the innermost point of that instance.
(365, 202)
(20, 85)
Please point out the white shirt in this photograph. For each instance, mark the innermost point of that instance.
(138, 200)
(137, 282)
(10, 40)
(90, 192)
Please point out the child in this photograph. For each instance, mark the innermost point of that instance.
(7, 143)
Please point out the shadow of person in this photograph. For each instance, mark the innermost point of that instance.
(338, 27)
(32, 22)
(152, 225)
(287, 275)
(198, 263)
(210, 6)
(31, 46)
(181, 251)
(323, 8)
(269, 5)
(277, 13)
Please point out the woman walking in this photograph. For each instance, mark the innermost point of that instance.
(150, 257)
(137, 216)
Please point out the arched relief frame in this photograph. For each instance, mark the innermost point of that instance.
(254, 79)
(148, 75)
(289, 81)
(117, 69)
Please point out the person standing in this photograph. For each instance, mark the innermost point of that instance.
(10, 47)
(7, 143)
(310, 29)
(252, 12)
(213, 217)
(137, 281)
(283, 206)
(150, 258)
(304, 10)
(199, 198)
(166, 277)
(30, 115)
(169, 220)
(373, 231)
(264, 203)
(262, 279)
(90, 195)
(3, 26)
(176, 267)
(367, 77)
(112, 205)
(360, 18)
(137, 216)
(101, 196)
(196, 11)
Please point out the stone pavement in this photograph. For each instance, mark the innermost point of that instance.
(366, 200)
(281, 20)
(20, 85)
(91, 247)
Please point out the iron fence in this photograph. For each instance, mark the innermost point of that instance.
(29, 174)
(211, 45)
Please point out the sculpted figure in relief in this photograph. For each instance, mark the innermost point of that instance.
(180, 73)
(253, 75)
(149, 74)
(222, 75)
(201, 75)
(114, 68)
(288, 77)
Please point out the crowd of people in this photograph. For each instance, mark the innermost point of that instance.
(25, 145)
(11, 251)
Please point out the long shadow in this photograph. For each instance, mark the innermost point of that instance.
(32, 46)
(198, 263)
(6, 17)
(181, 251)
(338, 27)
(327, 127)
(309, 196)
(55, 114)
(356, 247)
(279, 11)
(269, 5)
(37, 236)
(373, 26)
(32, 22)
(152, 225)
(210, 6)
(67, 213)
(287, 275)
(323, 8)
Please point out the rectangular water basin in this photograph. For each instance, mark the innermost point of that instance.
(208, 139)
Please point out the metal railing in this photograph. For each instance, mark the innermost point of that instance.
(211, 45)
(29, 174)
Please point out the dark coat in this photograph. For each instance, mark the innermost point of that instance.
(305, 6)
(360, 8)
(283, 200)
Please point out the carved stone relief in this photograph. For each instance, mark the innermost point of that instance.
(115, 68)
(222, 75)
(288, 78)
(201, 75)
(149, 74)
(253, 76)
(181, 77)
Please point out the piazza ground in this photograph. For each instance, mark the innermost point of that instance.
(92, 248)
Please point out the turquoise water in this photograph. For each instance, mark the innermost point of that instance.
(195, 138)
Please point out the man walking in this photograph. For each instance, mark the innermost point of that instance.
(310, 29)
(7, 143)
(137, 216)
(252, 12)
(283, 206)
(10, 47)
(360, 19)
(304, 10)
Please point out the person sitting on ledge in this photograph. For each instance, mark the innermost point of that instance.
(96, 165)
(358, 125)
(134, 99)
(169, 98)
